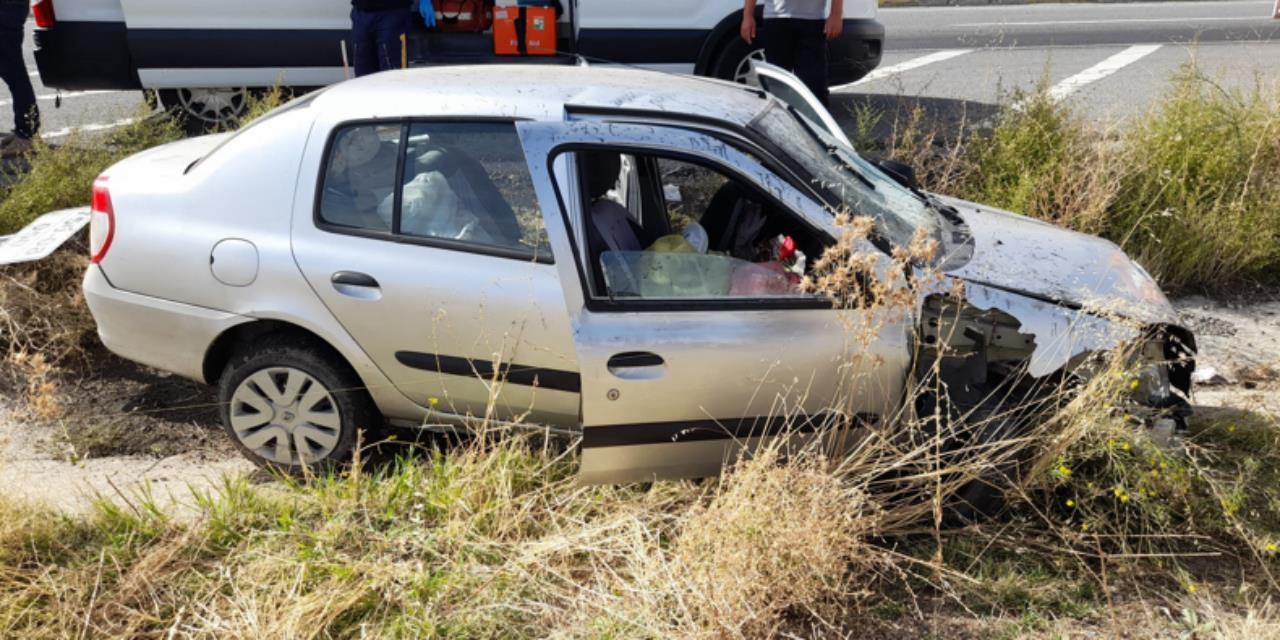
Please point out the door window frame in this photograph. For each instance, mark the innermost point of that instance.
(596, 304)
(394, 235)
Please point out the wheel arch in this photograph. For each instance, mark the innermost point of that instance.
(223, 347)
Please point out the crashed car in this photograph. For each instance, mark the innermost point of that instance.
(610, 253)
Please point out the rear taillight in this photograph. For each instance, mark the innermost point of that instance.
(43, 12)
(102, 221)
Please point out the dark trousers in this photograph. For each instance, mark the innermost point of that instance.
(799, 46)
(375, 36)
(13, 69)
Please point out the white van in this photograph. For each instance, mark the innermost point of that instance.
(203, 57)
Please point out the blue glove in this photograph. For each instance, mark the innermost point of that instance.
(428, 13)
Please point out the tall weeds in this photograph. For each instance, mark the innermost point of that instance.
(1187, 188)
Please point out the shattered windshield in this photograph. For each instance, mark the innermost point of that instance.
(860, 186)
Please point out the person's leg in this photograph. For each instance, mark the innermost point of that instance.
(391, 26)
(811, 58)
(779, 45)
(13, 69)
(364, 46)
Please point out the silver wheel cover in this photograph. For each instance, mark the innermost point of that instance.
(285, 416)
(744, 66)
(213, 106)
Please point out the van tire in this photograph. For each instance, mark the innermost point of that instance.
(344, 409)
(202, 111)
(728, 61)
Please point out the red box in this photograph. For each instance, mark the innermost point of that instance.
(506, 36)
(524, 31)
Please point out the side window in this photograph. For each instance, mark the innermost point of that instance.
(360, 177)
(714, 236)
(461, 183)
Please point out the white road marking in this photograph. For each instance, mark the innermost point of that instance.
(901, 67)
(49, 97)
(1102, 70)
(1050, 23)
(87, 128)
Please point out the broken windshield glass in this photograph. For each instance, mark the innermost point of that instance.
(860, 187)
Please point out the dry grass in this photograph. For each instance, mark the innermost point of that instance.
(494, 538)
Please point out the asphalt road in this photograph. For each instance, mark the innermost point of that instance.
(1109, 60)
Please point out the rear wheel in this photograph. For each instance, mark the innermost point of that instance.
(205, 110)
(292, 406)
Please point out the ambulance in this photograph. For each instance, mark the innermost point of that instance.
(204, 58)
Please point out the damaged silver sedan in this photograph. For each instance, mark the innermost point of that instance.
(617, 254)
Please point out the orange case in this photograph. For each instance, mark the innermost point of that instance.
(506, 40)
(539, 31)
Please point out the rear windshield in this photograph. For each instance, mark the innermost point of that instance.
(301, 102)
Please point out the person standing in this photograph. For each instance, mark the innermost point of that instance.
(794, 36)
(13, 68)
(376, 27)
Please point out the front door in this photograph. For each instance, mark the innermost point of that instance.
(693, 339)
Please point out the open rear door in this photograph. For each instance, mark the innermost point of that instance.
(672, 386)
(790, 90)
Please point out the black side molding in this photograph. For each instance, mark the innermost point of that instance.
(626, 435)
(528, 376)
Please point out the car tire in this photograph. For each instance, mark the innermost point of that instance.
(293, 406)
(202, 111)
(730, 60)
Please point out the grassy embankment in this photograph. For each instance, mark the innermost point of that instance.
(493, 539)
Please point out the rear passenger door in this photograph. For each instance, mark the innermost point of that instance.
(690, 349)
(425, 241)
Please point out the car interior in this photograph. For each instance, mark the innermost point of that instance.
(659, 227)
(447, 192)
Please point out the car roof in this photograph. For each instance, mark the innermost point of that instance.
(535, 92)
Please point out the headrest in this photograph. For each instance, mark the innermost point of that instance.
(602, 169)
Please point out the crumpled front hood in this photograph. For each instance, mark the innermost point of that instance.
(1022, 255)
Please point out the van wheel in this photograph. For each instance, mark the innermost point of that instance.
(205, 110)
(732, 61)
(289, 407)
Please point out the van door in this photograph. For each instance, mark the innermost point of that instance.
(668, 35)
(687, 359)
(785, 86)
(237, 43)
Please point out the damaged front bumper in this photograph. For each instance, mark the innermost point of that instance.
(992, 341)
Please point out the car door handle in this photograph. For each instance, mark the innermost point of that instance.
(637, 365)
(356, 285)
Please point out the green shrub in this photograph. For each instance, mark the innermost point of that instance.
(1188, 189)
(1200, 200)
(61, 177)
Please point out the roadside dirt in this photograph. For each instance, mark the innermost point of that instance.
(120, 432)
(124, 430)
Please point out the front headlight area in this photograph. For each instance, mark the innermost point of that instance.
(1155, 401)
